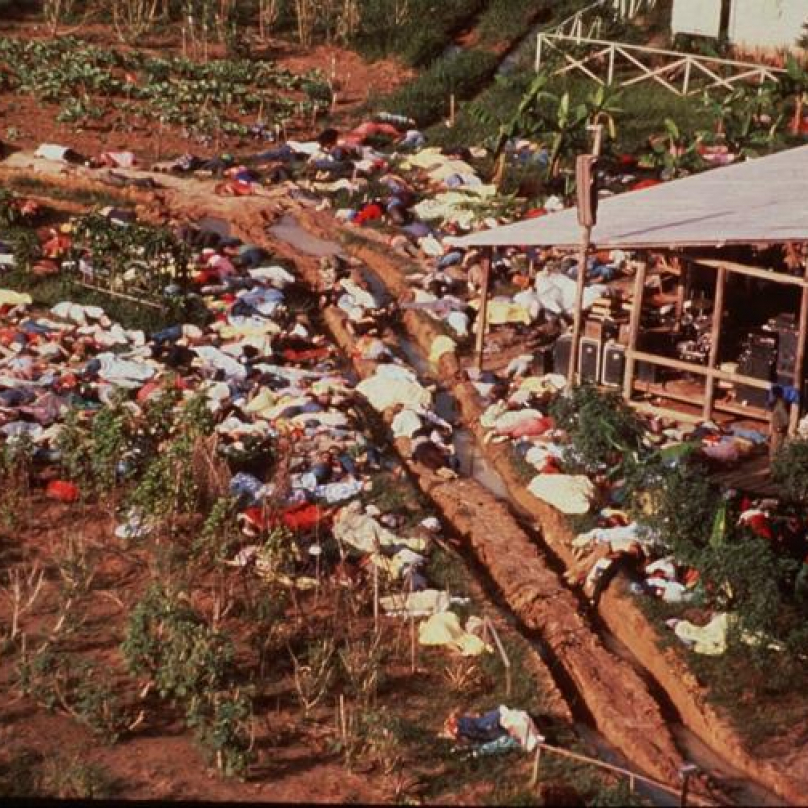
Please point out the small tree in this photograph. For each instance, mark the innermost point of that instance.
(680, 507)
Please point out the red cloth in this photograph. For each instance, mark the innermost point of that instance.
(759, 524)
(62, 491)
(369, 213)
(304, 516)
(638, 186)
(530, 428)
(535, 213)
(369, 129)
(309, 355)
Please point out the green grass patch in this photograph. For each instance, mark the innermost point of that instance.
(426, 98)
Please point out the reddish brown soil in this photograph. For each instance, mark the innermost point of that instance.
(356, 81)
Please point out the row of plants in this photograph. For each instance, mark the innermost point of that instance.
(90, 81)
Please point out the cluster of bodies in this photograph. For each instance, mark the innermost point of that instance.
(266, 371)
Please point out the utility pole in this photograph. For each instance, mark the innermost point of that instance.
(587, 218)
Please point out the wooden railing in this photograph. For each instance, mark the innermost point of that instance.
(681, 73)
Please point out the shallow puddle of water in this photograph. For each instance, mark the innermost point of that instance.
(288, 229)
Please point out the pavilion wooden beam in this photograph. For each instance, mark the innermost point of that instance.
(715, 339)
(634, 329)
(698, 370)
(755, 272)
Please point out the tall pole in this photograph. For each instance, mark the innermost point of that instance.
(586, 240)
(482, 314)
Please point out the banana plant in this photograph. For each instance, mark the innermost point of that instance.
(673, 152)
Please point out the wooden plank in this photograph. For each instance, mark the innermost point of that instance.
(699, 370)
(715, 337)
(717, 80)
(580, 64)
(754, 272)
(694, 400)
(580, 286)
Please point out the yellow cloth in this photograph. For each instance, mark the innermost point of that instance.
(502, 311)
(8, 297)
(445, 629)
(440, 347)
(709, 640)
(570, 493)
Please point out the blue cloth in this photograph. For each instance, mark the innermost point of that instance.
(790, 394)
(451, 259)
(170, 334)
(483, 729)
(749, 434)
(245, 487)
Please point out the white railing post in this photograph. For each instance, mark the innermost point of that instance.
(539, 43)
(686, 82)
(610, 78)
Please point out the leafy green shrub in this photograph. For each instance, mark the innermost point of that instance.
(605, 433)
(192, 665)
(223, 729)
(679, 507)
(170, 643)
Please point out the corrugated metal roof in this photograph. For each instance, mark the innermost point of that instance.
(764, 200)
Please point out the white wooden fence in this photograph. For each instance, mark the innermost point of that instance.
(622, 65)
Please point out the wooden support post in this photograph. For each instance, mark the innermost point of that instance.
(634, 329)
(799, 364)
(715, 339)
(681, 288)
(580, 286)
(539, 43)
(482, 313)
